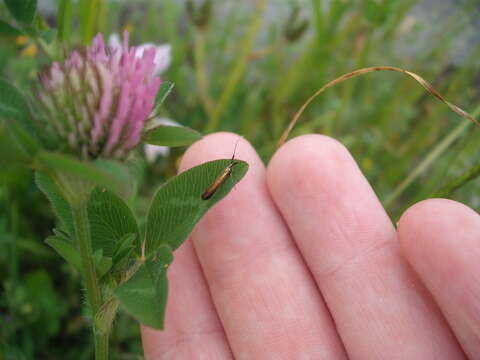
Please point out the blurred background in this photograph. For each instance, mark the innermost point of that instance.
(247, 66)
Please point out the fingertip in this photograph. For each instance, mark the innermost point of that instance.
(440, 240)
(215, 146)
(307, 146)
(434, 220)
(305, 158)
(316, 183)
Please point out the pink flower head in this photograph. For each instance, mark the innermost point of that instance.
(98, 101)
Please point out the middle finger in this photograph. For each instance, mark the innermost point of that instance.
(380, 308)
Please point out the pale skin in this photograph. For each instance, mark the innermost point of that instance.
(301, 261)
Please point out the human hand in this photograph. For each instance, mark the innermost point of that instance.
(302, 262)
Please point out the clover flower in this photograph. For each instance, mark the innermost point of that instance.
(96, 103)
(163, 52)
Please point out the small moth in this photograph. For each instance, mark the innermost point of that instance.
(221, 178)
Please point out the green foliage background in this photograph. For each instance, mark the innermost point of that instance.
(246, 66)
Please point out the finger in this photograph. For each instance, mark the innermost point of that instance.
(441, 239)
(381, 311)
(192, 328)
(268, 303)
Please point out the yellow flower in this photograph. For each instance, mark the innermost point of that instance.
(30, 50)
(21, 40)
(367, 164)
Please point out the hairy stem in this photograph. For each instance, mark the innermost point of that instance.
(94, 296)
(101, 346)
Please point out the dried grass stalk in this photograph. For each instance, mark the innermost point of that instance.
(363, 71)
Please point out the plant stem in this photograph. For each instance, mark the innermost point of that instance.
(101, 346)
(88, 19)
(429, 160)
(318, 15)
(426, 162)
(151, 21)
(64, 21)
(94, 296)
(102, 11)
(238, 68)
(171, 11)
(201, 75)
(457, 183)
(14, 248)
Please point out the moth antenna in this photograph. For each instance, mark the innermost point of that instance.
(235, 148)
